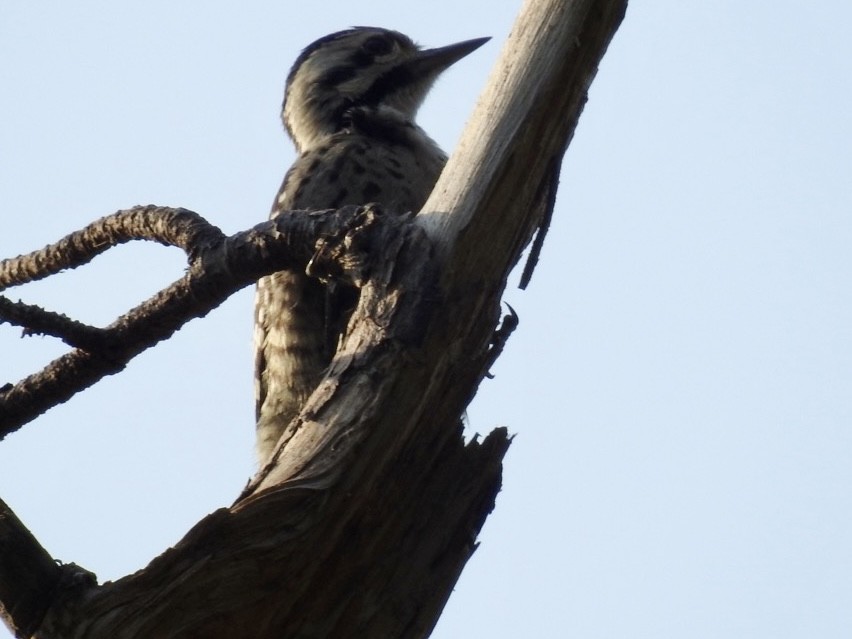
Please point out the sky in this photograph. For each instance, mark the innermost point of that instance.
(678, 387)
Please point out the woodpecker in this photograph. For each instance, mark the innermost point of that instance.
(349, 108)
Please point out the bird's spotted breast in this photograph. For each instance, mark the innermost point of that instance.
(349, 108)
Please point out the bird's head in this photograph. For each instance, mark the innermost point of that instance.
(362, 67)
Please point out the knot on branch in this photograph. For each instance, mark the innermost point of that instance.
(348, 252)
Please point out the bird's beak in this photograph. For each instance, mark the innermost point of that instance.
(433, 61)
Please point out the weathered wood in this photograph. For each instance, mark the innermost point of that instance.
(218, 267)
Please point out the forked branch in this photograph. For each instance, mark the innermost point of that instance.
(218, 266)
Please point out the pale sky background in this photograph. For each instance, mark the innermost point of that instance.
(679, 385)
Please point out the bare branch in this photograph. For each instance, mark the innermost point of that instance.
(169, 226)
(38, 321)
(219, 267)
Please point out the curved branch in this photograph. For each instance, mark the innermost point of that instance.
(170, 226)
(219, 267)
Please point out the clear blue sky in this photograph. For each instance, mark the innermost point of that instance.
(680, 381)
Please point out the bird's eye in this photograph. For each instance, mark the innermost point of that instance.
(377, 45)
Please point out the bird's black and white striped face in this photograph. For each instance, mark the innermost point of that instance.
(362, 67)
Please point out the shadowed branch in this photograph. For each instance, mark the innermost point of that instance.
(218, 266)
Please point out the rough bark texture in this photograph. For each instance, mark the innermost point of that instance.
(366, 515)
(218, 267)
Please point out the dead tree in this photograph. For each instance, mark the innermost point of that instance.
(365, 517)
